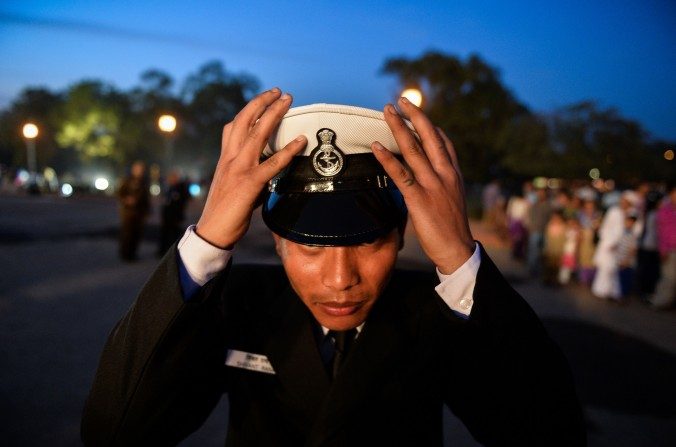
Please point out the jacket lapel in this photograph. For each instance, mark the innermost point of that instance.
(293, 353)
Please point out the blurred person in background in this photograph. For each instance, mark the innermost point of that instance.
(499, 219)
(134, 199)
(174, 201)
(590, 219)
(538, 217)
(517, 216)
(489, 199)
(555, 238)
(606, 284)
(565, 202)
(626, 255)
(570, 250)
(648, 256)
(666, 241)
(642, 192)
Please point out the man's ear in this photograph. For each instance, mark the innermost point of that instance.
(402, 231)
(279, 245)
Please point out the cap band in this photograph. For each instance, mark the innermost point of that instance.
(365, 172)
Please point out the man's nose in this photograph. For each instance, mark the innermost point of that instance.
(340, 271)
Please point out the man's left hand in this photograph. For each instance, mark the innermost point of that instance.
(431, 184)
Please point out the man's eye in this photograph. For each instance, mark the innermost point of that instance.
(370, 243)
(310, 249)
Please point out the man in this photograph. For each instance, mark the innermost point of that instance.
(174, 201)
(336, 349)
(538, 217)
(665, 291)
(134, 205)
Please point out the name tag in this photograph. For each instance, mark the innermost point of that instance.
(247, 360)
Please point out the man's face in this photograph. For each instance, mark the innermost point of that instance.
(339, 284)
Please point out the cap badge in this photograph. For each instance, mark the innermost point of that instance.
(327, 159)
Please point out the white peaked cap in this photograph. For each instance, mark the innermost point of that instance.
(355, 128)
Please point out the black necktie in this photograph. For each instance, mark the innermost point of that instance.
(342, 341)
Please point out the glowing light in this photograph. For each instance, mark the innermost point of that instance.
(540, 182)
(155, 189)
(30, 131)
(414, 95)
(553, 183)
(66, 190)
(166, 123)
(49, 174)
(101, 183)
(594, 173)
(23, 176)
(194, 189)
(669, 154)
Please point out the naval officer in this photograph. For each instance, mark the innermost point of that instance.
(336, 348)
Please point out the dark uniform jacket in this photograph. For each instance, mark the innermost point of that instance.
(136, 189)
(163, 369)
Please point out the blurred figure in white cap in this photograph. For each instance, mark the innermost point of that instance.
(606, 284)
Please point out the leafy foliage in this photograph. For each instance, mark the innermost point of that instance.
(494, 133)
(97, 123)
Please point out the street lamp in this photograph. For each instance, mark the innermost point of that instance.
(30, 132)
(414, 95)
(167, 124)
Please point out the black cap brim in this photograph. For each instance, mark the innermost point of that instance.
(339, 218)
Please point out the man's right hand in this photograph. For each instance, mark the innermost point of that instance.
(240, 177)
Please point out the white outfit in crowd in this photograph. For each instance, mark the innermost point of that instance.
(607, 281)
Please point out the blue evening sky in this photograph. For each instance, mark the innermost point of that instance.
(620, 53)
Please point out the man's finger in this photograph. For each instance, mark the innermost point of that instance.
(402, 176)
(274, 165)
(250, 113)
(454, 157)
(450, 148)
(431, 141)
(261, 131)
(410, 148)
(227, 129)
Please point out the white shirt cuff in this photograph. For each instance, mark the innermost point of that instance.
(202, 260)
(457, 289)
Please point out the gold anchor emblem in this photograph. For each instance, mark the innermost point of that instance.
(327, 159)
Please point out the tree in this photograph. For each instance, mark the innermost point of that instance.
(97, 121)
(587, 137)
(153, 97)
(212, 97)
(524, 149)
(468, 101)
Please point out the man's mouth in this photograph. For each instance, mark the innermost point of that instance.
(341, 309)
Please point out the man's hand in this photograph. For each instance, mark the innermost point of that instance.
(239, 177)
(431, 185)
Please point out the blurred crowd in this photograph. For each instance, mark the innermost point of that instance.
(619, 243)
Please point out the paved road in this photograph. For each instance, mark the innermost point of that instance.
(62, 289)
